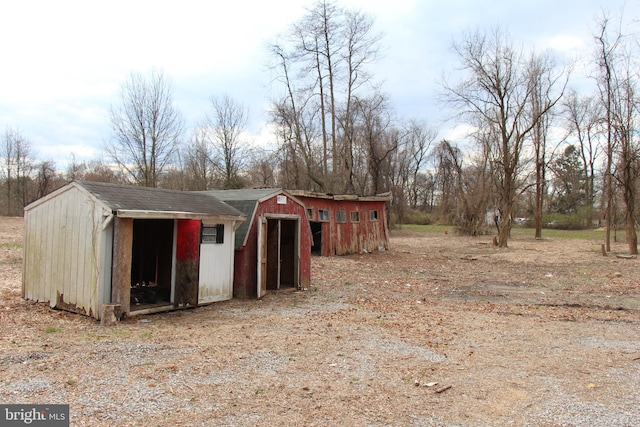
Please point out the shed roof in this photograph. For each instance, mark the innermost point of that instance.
(127, 198)
(384, 197)
(254, 194)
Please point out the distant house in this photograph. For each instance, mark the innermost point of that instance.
(273, 247)
(346, 224)
(89, 244)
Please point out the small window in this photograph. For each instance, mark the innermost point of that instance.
(323, 215)
(355, 216)
(213, 234)
(310, 214)
(373, 215)
(341, 216)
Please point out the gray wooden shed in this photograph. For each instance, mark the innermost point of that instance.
(89, 244)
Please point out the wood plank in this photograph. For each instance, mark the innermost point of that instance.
(122, 252)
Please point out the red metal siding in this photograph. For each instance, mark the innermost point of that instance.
(246, 258)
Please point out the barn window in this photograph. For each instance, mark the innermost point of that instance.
(213, 234)
(323, 215)
(310, 214)
(373, 215)
(341, 216)
(355, 216)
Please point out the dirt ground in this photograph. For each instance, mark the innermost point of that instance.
(438, 331)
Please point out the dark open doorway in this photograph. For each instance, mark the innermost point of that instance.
(316, 232)
(282, 253)
(151, 263)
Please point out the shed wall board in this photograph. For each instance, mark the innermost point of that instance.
(71, 216)
(106, 267)
(122, 259)
(216, 267)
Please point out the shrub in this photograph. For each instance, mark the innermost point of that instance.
(417, 217)
(564, 222)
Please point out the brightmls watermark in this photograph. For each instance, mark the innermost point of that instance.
(34, 415)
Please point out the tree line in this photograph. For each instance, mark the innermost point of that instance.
(536, 146)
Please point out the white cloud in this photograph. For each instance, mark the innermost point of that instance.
(64, 60)
(459, 132)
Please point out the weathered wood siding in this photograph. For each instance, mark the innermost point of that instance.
(121, 283)
(66, 238)
(350, 237)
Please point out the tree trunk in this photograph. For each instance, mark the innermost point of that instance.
(632, 236)
(504, 229)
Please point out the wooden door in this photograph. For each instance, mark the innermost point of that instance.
(262, 258)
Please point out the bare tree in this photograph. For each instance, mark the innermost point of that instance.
(223, 128)
(295, 119)
(374, 140)
(361, 48)
(446, 172)
(543, 77)
(198, 163)
(418, 140)
(470, 185)
(323, 65)
(496, 94)
(628, 156)
(100, 171)
(94, 170)
(605, 56)
(260, 171)
(584, 116)
(46, 179)
(17, 170)
(317, 45)
(147, 128)
(617, 86)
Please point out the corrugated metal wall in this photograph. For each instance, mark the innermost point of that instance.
(64, 250)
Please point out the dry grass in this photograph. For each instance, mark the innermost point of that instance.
(543, 333)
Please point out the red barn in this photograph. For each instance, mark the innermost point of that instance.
(346, 224)
(273, 247)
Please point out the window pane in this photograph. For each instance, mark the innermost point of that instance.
(213, 234)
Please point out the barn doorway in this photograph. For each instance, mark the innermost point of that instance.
(279, 254)
(151, 263)
(316, 233)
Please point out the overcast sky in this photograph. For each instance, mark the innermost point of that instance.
(63, 61)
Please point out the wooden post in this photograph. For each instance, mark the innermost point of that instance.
(110, 314)
(122, 252)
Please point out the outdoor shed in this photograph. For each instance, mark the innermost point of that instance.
(346, 224)
(89, 244)
(273, 247)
